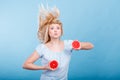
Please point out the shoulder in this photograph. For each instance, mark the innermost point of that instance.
(40, 47)
(68, 44)
(68, 41)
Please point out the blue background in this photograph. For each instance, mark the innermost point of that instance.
(96, 21)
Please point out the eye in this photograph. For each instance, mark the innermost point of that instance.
(58, 28)
(51, 28)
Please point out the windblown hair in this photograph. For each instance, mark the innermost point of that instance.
(46, 18)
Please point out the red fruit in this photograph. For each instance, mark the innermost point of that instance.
(75, 44)
(53, 64)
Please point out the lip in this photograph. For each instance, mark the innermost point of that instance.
(55, 34)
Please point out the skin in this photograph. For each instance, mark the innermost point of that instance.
(55, 45)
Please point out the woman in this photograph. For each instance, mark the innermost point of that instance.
(52, 47)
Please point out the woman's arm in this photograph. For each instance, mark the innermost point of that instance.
(29, 63)
(86, 45)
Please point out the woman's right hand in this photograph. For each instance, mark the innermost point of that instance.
(47, 67)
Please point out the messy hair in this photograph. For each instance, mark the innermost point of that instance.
(46, 18)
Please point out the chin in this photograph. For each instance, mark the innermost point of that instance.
(56, 37)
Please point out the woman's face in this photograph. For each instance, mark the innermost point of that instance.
(55, 31)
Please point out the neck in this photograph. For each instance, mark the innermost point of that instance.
(55, 41)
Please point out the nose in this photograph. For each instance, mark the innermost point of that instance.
(55, 30)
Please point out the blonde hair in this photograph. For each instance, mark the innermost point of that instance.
(46, 18)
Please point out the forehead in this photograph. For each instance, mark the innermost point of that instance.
(54, 25)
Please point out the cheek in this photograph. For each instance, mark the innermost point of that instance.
(60, 32)
(50, 32)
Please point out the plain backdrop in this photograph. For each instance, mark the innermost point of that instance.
(95, 21)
